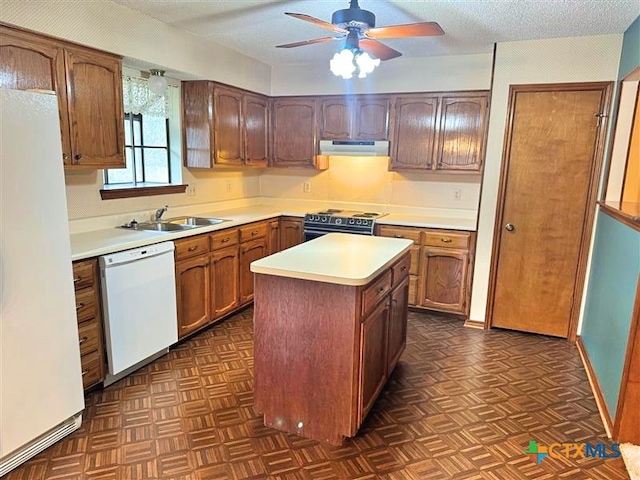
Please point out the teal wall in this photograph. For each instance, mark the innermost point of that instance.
(610, 299)
(630, 57)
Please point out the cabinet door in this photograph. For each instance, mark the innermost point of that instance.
(336, 118)
(227, 126)
(291, 233)
(462, 130)
(249, 252)
(273, 237)
(225, 265)
(31, 62)
(294, 132)
(256, 125)
(371, 119)
(414, 130)
(443, 276)
(397, 333)
(373, 357)
(197, 148)
(193, 294)
(96, 119)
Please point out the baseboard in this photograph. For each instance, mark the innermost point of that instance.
(595, 388)
(474, 324)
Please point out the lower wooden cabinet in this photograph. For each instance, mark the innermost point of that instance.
(273, 237)
(224, 280)
(291, 232)
(193, 294)
(441, 267)
(88, 314)
(249, 252)
(397, 331)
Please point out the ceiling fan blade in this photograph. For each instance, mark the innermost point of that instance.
(318, 22)
(377, 49)
(308, 42)
(424, 29)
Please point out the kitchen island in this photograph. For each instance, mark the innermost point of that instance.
(329, 327)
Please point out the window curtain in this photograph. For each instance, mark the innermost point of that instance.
(139, 99)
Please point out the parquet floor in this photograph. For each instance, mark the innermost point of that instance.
(462, 404)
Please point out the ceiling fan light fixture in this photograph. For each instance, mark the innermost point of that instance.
(366, 64)
(157, 82)
(349, 61)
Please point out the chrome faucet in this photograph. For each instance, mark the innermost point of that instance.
(160, 211)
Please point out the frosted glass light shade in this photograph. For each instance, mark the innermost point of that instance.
(157, 82)
(347, 62)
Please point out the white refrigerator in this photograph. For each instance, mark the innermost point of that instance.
(41, 397)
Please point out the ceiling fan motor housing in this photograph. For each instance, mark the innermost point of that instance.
(354, 18)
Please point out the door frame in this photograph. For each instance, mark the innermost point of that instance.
(594, 180)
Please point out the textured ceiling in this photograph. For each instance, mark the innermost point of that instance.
(255, 28)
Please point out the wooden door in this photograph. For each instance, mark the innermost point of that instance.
(256, 130)
(336, 118)
(291, 232)
(227, 126)
(249, 252)
(197, 124)
(462, 129)
(225, 265)
(443, 279)
(414, 131)
(397, 332)
(294, 132)
(193, 294)
(30, 62)
(273, 237)
(552, 160)
(373, 357)
(371, 118)
(96, 118)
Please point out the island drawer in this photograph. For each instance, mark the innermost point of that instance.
(84, 274)
(91, 370)
(401, 269)
(374, 292)
(251, 232)
(225, 238)
(85, 305)
(89, 336)
(400, 232)
(191, 247)
(446, 240)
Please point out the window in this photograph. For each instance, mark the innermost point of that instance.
(146, 140)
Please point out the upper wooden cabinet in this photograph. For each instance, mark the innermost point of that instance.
(444, 131)
(295, 125)
(223, 126)
(91, 125)
(354, 118)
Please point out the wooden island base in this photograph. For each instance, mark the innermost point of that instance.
(324, 351)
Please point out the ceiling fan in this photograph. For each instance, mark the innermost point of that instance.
(357, 27)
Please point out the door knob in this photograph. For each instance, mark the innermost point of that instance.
(509, 227)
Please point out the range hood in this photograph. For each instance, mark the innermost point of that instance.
(354, 148)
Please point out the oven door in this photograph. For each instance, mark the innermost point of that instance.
(311, 233)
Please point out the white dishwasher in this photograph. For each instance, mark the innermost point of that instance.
(139, 304)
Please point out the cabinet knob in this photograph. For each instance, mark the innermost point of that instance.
(445, 240)
(78, 156)
(509, 227)
(255, 232)
(65, 157)
(77, 279)
(380, 290)
(79, 307)
(225, 240)
(83, 339)
(85, 371)
(193, 248)
(398, 236)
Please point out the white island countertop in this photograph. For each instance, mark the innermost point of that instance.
(339, 258)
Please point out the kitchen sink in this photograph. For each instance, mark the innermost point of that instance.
(189, 222)
(161, 226)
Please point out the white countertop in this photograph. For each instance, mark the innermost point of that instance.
(109, 240)
(339, 258)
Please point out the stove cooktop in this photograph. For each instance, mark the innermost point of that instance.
(337, 220)
(348, 213)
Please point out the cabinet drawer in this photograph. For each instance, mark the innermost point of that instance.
(89, 336)
(85, 305)
(400, 232)
(254, 231)
(374, 292)
(401, 269)
(91, 369)
(446, 240)
(84, 274)
(224, 238)
(191, 247)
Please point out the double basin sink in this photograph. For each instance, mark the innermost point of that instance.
(175, 224)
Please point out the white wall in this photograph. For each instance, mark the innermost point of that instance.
(575, 59)
(112, 27)
(428, 74)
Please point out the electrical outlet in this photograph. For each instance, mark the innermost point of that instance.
(228, 186)
(191, 190)
(306, 187)
(457, 194)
